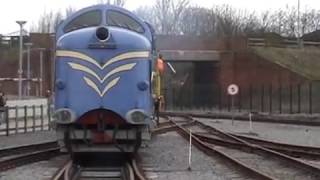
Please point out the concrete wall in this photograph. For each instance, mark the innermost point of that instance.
(246, 68)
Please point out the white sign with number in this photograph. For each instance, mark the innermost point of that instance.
(233, 89)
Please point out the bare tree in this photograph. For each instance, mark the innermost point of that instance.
(177, 17)
(198, 21)
(120, 3)
(69, 11)
(147, 14)
(49, 21)
(168, 14)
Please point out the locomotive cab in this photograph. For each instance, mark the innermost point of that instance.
(103, 68)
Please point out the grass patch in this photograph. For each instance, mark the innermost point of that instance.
(305, 62)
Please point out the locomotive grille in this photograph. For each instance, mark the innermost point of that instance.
(98, 80)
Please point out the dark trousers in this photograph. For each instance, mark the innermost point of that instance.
(156, 112)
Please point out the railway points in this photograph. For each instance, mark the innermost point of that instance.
(261, 157)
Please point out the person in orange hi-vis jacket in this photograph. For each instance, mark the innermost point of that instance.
(159, 71)
(160, 64)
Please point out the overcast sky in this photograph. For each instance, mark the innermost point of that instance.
(12, 10)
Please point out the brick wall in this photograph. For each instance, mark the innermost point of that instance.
(245, 68)
(9, 63)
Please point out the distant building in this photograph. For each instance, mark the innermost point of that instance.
(205, 65)
(11, 40)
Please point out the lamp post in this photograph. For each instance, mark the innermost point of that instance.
(41, 70)
(299, 41)
(20, 71)
(28, 45)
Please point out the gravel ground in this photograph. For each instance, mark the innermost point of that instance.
(292, 134)
(27, 138)
(268, 165)
(166, 157)
(42, 170)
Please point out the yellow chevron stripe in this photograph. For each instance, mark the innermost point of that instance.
(74, 54)
(110, 85)
(121, 68)
(92, 85)
(81, 56)
(106, 89)
(125, 67)
(129, 55)
(84, 69)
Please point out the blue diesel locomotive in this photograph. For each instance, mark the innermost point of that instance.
(103, 68)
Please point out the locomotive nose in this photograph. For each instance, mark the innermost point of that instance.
(102, 34)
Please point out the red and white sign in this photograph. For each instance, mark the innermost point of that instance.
(233, 89)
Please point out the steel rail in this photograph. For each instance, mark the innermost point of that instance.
(257, 148)
(138, 174)
(129, 171)
(170, 127)
(9, 151)
(206, 148)
(307, 152)
(28, 158)
(62, 173)
(255, 118)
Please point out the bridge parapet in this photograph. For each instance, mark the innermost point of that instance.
(190, 55)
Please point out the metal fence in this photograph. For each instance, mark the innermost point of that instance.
(283, 99)
(280, 43)
(23, 119)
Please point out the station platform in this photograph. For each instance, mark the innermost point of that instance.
(26, 139)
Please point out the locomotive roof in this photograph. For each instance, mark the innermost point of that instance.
(101, 7)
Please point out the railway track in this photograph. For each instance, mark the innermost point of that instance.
(298, 151)
(307, 152)
(128, 170)
(245, 117)
(18, 156)
(251, 157)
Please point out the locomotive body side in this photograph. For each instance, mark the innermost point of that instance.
(103, 77)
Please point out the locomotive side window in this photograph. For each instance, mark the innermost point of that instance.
(91, 18)
(118, 19)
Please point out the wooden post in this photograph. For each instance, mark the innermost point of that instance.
(299, 98)
(240, 100)
(250, 97)
(290, 100)
(280, 99)
(49, 116)
(41, 116)
(16, 119)
(6, 111)
(262, 98)
(310, 98)
(33, 118)
(270, 98)
(25, 118)
(220, 98)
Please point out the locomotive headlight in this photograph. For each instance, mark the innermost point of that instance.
(64, 116)
(142, 86)
(102, 34)
(137, 116)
